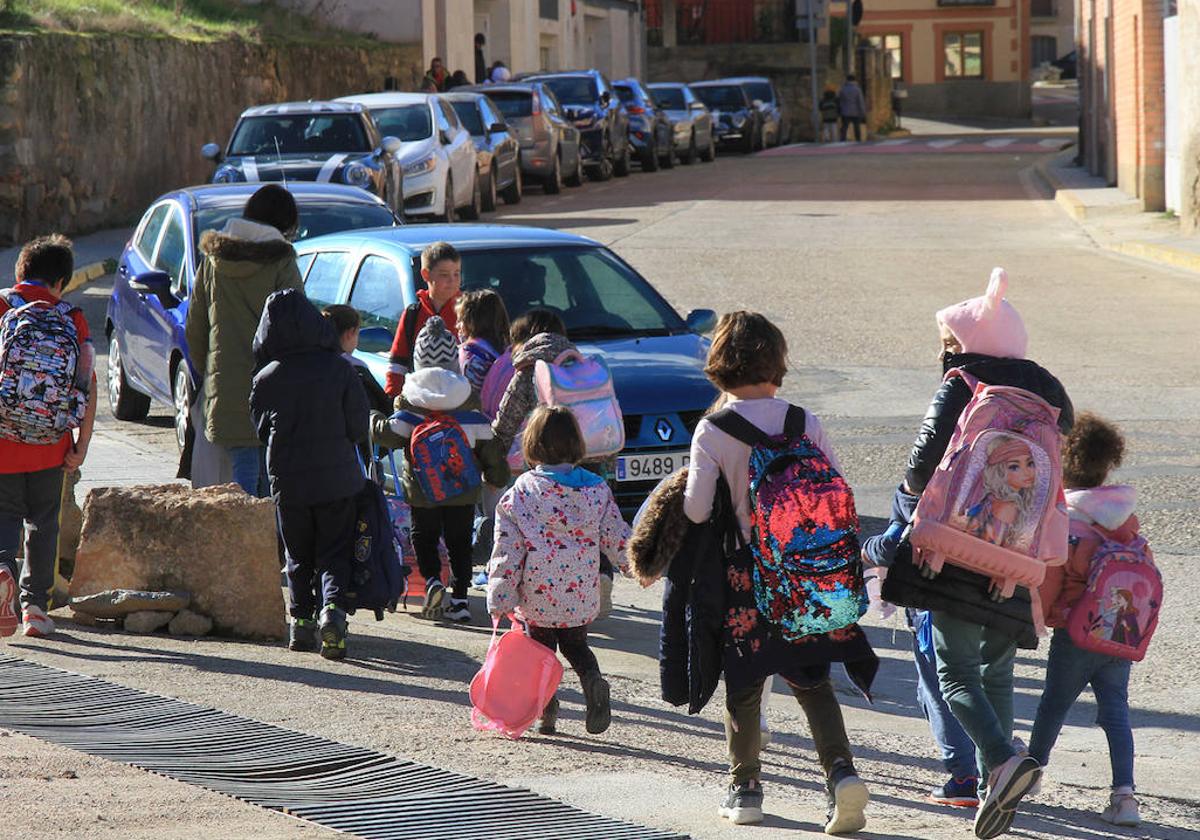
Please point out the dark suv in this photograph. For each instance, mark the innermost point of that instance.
(589, 102)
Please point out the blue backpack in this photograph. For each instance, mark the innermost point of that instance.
(377, 574)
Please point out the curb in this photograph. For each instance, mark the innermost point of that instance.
(85, 275)
(1157, 252)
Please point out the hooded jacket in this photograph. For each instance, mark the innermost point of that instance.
(520, 397)
(243, 264)
(307, 404)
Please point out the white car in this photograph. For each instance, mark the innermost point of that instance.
(441, 179)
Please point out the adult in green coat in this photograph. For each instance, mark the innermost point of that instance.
(244, 263)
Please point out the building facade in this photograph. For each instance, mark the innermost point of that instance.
(1051, 30)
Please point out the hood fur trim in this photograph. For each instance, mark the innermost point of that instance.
(224, 247)
(660, 530)
(436, 389)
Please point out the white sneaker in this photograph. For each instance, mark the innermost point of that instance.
(1007, 784)
(1122, 810)
(37, 623)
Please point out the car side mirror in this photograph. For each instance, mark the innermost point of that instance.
(446, 137)
(157, 283)
(498, 128)
(375, 340)
(211, 151)
(605, 98)
(701, 321)
(390, 145)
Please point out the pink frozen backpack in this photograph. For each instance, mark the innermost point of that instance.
(495, 383)
(517, 680)
(1118, 611)
(995, 504)
(584, 385)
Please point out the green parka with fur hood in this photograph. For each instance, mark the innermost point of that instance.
(243, 264)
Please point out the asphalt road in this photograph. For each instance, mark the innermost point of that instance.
(851, 255)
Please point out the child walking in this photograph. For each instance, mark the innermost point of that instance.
(347, 323)
(747, 361)
(483, 329)
(1098, 512)
(309, 409)
(552, 526)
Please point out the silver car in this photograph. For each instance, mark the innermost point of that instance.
(776, 128)
(691, 121)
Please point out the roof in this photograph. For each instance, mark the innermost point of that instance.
(667, 85)
(414, 238)
(312, 107)
(737, 80)
(464, 95)
(715, 83)
(511, 87)
(386, 100)
(216, 195)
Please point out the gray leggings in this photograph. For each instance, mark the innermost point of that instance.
(29, 505)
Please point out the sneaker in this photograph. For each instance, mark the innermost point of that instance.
(548, 723)
(743, 803)
(38, 625)
(1020, 749)
(1122, 810)
(606, 587)
(1007, 784)
(302, 635)
(480, 580)
(459, 611)
(958, 792)
(8, 603)
(599, 710)
(847, 797)
(435, 594)
(333, 633)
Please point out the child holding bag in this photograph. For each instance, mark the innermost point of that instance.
(552, 526)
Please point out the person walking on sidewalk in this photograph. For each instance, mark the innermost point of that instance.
(244, 263)
(829, 115)
(441, 269)
(33, 458)
(853, 108)
(552, 527)
(310, 411)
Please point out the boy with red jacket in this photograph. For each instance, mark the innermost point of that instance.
(441, 269)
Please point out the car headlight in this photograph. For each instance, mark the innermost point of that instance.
(419, 167)
(226, 174)
(356, 175)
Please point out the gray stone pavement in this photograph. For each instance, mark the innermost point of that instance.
(851, 256)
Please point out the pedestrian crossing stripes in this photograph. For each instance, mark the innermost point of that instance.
(975, 144)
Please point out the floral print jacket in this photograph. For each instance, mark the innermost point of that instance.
(551, 528)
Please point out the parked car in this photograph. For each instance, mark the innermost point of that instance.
(776, 128)
(691, 122)
(656, 357)
(497, 148)
(590, 104)
(441, 179)
(327, 142)
(649, 128)
(147, 353)
(736, 122)
(550, 149)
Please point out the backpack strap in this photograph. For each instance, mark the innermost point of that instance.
(738, 427)
(795, 421)
(408, 324)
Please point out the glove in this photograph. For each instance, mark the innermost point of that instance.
(878, 606)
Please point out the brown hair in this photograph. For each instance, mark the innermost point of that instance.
(552, 437)
(342, 317)
(436, 252)
(534, 322)
(48, 259)
(747, 349)
(1094, 448)
(481, 314)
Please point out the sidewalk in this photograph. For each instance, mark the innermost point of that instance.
(90, 253)
(1114, 220)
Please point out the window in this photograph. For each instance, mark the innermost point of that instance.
(303, 262)
(963, 54)
(408, 122)
(1042, 49)
(378, 293)
(171, 252)
(468, 115)
(300, 134)
(574, 90)
(448, 114)
(893, 48)
(149, 235)
(325, 277)
(1043, 8)
(670, 98)
(548, 9)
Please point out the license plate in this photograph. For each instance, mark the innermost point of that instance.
(650, 467)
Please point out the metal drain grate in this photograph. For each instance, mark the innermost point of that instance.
(336, 785)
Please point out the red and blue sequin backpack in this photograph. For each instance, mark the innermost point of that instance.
(807, 574)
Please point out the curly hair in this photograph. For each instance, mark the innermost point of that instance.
(1093, 449)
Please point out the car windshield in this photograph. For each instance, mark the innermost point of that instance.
(669, 98)
(299, 134)
(625, 94)
(408, 122)
(513, 103)
(759, 90)
(468, 115)
(318, 216)
(721, 97)
(573, 90)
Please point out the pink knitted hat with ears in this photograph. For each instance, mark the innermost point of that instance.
(988, 324)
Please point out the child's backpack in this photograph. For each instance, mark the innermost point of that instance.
(1118, 611)
(476, 358)
(804, 536)
(40, 393)
(377, 575)
(584, 385)
(995, 504)
(495, 383)
(517, 680)
(441, 459)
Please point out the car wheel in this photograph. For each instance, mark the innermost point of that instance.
(489, 192)
(449, 211)
(575, 179)
(473, 210)
(710, 151)
(516, 190)
(650, 159)
(623, 164)
(554, 183)
(124, 402)
(688, 158)
(603, 170)
(181, 397)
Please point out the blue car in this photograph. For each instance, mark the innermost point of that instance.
(149, 301)
(656, 357)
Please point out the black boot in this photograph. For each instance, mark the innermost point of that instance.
(549, 720)
(599, 712)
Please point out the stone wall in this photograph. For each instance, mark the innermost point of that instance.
(787, 65)
(92, 129)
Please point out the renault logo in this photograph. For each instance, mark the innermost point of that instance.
(664, 429)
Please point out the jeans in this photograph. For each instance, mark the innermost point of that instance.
(958, 752)
(1068, 670)
(857, 122)
(744, 736)
(573, 643)
(454, 524)
(249, 469)
(29, 507)
(975, 672)
(318, 543)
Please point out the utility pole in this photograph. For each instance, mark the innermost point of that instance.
(812, 60)
(849, 37)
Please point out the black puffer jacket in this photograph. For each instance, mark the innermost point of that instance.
(307, 404)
